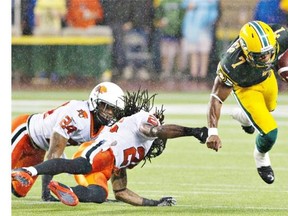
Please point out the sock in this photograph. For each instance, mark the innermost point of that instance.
(261, 159)
(32, 170)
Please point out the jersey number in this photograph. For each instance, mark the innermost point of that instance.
(49, 112)
(65, 125)
(242, 60)
(130, 156)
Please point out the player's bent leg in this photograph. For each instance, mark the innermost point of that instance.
(240, 116)
(263, 144)
(92, 187)
(92, 193)
(46, 194)
(34, 156)
(64, 193)
(263, 165)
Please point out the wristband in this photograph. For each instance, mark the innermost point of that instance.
(216, 96)
(212, 131)
(149, 202)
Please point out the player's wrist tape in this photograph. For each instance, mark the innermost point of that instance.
(149, 202)
(116, 191)
(152, 131)
(212, 131)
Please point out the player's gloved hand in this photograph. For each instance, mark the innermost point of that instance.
(167, 201)
(164, 201)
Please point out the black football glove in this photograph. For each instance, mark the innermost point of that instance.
(167, 201)
(201, 134)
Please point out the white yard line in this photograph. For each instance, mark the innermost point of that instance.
(33, 106)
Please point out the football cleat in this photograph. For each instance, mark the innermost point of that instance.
(239, 115)
(201, 134)
(64, 193)
(248, 129)
(263, 165)
(22, 176)
(267, 174)
(14, 192)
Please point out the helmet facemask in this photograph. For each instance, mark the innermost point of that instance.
(258, 59)
(107, 114)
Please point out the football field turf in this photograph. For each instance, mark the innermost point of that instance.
(204, 182)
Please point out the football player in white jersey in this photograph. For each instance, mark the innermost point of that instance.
(72, 123)
(133, 138)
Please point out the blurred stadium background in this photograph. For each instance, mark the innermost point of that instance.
(79, 58)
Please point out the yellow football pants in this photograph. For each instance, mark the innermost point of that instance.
(258, 102)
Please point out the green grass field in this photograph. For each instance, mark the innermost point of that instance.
(203, 181)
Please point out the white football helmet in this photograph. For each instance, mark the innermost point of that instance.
(108, 93)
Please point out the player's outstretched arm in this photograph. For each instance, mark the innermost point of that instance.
(170, 131)
(122, 193)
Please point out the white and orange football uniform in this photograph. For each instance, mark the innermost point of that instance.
(121, 146)
(31, 133)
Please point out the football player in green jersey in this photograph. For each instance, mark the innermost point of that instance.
(247, 70)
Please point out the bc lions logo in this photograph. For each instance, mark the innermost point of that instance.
(101, 89)
(82, 114)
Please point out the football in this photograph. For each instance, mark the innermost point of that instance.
(283, 66)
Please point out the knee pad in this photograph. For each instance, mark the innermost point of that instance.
(265, 142)
(99, 194)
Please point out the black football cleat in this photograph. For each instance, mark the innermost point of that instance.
(267, 174)
(248, 129)
(201, 134)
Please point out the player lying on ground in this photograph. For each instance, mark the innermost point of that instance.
(138, 136)
(70, 124)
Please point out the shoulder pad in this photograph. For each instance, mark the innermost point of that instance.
(223, 76)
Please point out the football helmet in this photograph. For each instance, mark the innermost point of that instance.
(259, 44)
(110, 94)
